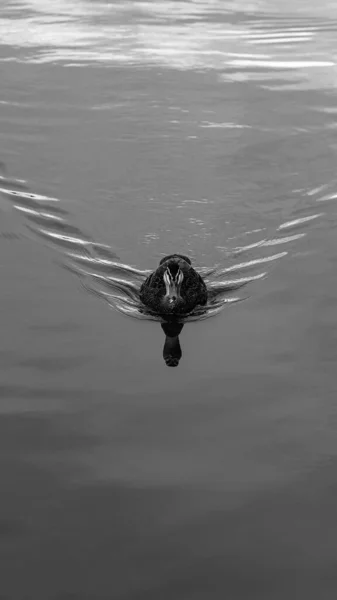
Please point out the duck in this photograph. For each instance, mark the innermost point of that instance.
(174, 289)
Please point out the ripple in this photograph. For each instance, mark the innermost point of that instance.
(108, 265)
(118, 283)
(38, 216)
(297, 222)
(250, 263)
(182, 35)
(328, 197)
(213, 125)
(278, 64)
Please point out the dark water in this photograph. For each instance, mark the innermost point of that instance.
(138, 129)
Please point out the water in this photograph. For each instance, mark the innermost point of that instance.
(128, 131)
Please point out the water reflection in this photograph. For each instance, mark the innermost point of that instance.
(244, 40)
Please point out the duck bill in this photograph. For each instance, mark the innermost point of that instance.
(172, 291)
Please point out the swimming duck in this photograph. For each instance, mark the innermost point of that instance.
(174, 289)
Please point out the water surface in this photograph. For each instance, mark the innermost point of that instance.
(129, 130)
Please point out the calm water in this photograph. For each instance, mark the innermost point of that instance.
(129, 130)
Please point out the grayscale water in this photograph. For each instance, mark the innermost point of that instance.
(130, 130)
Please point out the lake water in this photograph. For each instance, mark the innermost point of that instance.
(130, 130)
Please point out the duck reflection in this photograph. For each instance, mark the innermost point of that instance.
(172, 351)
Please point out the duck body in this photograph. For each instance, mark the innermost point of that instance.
(174, 289)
